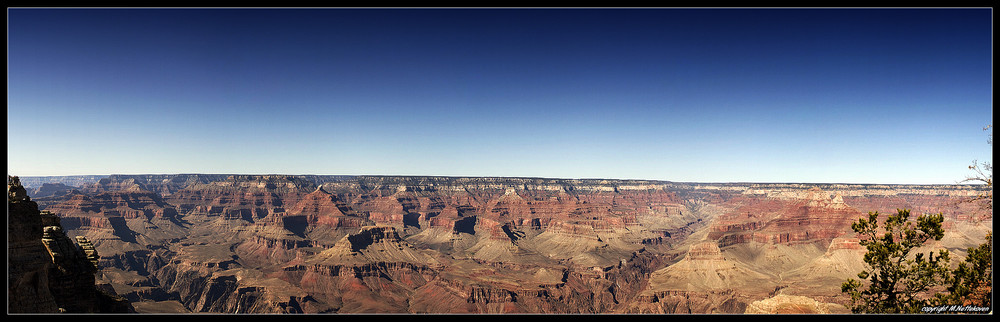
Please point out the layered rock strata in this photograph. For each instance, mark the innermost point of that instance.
(47, 271)
(379, 244)
(28, 261)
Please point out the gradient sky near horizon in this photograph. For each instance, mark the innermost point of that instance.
(694, 95)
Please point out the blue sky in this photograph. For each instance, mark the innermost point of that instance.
(713, 95)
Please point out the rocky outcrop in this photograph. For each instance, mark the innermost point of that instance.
(28, 261)
(791, 304)
(51, 273)
(71, 276)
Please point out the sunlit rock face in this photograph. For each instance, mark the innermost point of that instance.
(812, 216)
(790, 304)
(409, 244)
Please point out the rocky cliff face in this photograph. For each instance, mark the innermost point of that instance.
(47, 271)
(325, 244)
(28, 260)
(814, 217)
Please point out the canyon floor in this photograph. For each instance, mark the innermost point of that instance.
(395, 244)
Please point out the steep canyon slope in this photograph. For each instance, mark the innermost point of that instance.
(392, 244)
(47, 272)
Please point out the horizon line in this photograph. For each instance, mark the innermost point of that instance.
(959, 183)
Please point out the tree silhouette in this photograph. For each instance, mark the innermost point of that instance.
(983, 174)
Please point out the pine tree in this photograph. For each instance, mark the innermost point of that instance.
(897, 281)
(897, 284)
(972, 280)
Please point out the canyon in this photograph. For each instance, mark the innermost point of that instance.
(230, 243)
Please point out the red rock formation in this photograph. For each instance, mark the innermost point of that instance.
(438, 244)
(322, 208)
(128, 204)
(813, 217)
(242, 197)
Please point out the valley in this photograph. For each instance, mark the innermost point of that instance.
(409, 244)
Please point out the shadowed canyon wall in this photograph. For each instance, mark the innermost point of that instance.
(47, 272)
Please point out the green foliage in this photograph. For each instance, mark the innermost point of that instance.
(972, 281)
(897, 281)
(897, 284)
